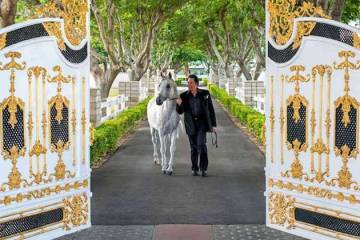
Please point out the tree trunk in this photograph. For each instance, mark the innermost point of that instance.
(324, 4)
(228, 72)
(244, 69)
(337, 10)
(105, 87)
(258, 71)
(260, 57)
(7, 12)
(107, 81)
(186, 70)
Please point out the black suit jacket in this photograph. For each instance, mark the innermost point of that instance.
(207, 106)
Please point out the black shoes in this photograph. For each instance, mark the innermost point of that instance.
(203, 173)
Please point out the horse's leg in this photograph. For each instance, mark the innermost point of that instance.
(163, 152)
(154, 141)
(172, 151)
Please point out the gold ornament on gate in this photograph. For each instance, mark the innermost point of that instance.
(74, 13)
(76, 211)
(15, 106)
(281, 210)
(59, 101)
(282, 16)
(2, 41)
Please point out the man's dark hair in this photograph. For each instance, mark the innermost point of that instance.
(196, 79)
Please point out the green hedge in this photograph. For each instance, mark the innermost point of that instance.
(178, 82)
(248, 116)
(108, 133)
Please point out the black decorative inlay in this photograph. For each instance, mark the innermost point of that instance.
(281, 56)
(75, 56)
(327, 222)
(296, 130)
(59, 131)
(29, 223)
(25, 33)
(38, 30)
(333, 32)
(13, 136)
(324, 30)
(345, 135)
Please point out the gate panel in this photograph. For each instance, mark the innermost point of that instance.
(312, 154)
(44, 122)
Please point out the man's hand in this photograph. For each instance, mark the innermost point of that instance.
(214, 129)
(178, 101)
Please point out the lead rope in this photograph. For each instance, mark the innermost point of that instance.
(214, 143)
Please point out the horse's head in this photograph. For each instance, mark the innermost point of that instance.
(167, 90)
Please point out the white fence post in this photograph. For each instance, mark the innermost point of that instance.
(112, 107)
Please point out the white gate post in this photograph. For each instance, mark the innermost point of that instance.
(44, 125)
(312, 123)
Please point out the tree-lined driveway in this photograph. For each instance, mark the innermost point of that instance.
(130, 190)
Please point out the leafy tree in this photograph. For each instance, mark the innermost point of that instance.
(174, 46)
(127, 31)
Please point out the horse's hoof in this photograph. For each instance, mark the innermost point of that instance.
(164, 172)
(169, 173)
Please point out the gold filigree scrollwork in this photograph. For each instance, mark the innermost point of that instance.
(15, 175)
(2, 41)
(319, 147)
(54, 29)
(304, 29)
(76, 211)
(38, 148)
(30, 121)
(13, 102)
(328, 120)
(13, 105)
(281, 210)
(296, 101)
(282, 119)
(347, 103)
(44, 120)
(296, 167)
(74, 13)
(44, 192)
(60, 168)
(346, 65)
(83, 121)
(312, 123)
(297, 98)
(282, 15)
(73, 121)
(356, 40)
(313, 191)
(272, 119)
(59, 100)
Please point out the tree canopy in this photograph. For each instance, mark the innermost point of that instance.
(157, 34)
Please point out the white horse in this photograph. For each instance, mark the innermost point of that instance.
(164, 121)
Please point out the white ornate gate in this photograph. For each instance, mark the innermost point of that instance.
(313, 94)
(44, 112)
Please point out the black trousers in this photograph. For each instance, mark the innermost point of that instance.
(198, 147)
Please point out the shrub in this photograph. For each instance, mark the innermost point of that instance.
(178, 82)
(248, 116)
(206, 81)
(108, 133)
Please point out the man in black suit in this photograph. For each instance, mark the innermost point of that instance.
(199, 118)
